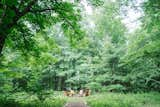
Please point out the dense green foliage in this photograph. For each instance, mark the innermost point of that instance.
(63, 44)
(23, 99)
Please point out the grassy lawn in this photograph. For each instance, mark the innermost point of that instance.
(124, 100)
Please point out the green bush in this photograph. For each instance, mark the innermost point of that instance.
(95, 86)
(115, 88)
(23, 99)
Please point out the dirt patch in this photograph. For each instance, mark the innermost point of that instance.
(77, 102)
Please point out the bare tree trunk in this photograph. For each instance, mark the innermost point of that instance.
(2, 42)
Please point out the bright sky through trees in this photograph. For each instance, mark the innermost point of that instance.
(130, 18)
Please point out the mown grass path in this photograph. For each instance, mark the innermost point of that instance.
(76, 102)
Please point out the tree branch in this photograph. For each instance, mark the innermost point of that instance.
(28, 8)
(42, 10)
(3, 14)
(20, 14)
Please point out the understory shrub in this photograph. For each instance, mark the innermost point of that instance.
(23, 99)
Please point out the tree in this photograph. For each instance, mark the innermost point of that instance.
(21, 18)
(143, 49)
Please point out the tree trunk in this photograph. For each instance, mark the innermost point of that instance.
(2, 42)
(59, 83)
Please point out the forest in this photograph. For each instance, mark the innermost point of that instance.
(109, 47)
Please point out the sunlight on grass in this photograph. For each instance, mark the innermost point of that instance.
(124, 100)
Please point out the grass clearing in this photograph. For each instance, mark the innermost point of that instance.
(124, 100)
(23, 99)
